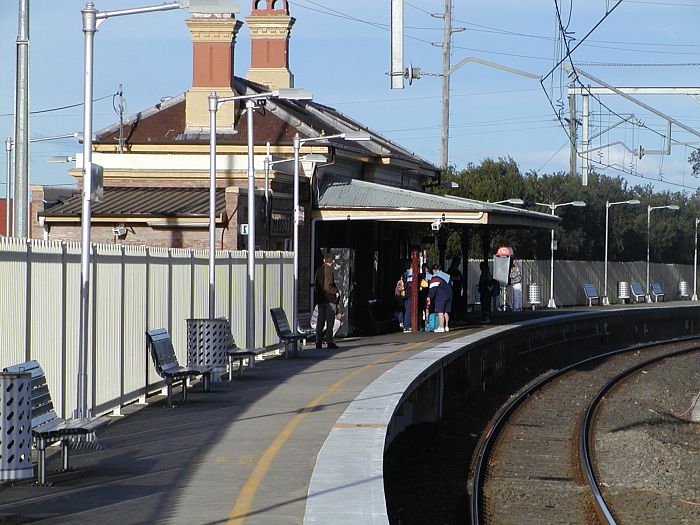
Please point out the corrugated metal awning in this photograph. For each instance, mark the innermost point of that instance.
(153, 205)
(344, 198)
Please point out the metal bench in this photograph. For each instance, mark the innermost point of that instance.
(304, 325)
(167, 366)
(656, 291)
(47, 427)
(284, 331)
(637, 292)
(591, 293)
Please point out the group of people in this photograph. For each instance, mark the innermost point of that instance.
(435, 292)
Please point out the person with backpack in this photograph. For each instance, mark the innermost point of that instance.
(399, 299)
(440, 298)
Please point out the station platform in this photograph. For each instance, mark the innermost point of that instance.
(244, 453)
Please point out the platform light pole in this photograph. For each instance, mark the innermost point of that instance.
(357, 136)
(695, 264)
(651, 208)
(250, 102)
(553, 207)
(92, 18)
(608, 204)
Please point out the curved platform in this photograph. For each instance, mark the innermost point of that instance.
(248, 451)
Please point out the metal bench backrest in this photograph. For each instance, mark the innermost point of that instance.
(590, 290)
(655, 288)
(304, 320)
(162, 351)
(279, 319)
(636, 289)
(42, 405)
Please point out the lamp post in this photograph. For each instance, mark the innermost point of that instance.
(695, 264)
(553, 207)
(650, 208)
(250, 102)
(608, 204)
(91, 19)
(298, 141)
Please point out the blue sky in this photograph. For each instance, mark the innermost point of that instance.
(340, 52)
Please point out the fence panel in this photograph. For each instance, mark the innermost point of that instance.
(107, 349)
(46, 312)
(13, 315)
(135, 323)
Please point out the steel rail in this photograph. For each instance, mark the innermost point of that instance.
(585, 428)
(494, 428)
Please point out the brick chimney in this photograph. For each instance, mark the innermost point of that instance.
(213, 43)
(270, 25)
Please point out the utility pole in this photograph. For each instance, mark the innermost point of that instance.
(21, 200)
(572, 134)
(446, 50)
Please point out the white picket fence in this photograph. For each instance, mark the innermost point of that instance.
(133, 289)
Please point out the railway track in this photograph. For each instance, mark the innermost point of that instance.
(534, 463)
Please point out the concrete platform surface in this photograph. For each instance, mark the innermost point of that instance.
(242, 453)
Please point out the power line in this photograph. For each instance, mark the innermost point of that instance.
(58, 108)
(661, 3)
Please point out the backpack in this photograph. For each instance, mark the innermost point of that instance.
(400, 289)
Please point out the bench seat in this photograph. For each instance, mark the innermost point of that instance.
(167, 366)
(47, 426)
(591, 293)
(636, 291)
(284, 331)
(656, 292)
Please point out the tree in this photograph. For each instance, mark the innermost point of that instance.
(694, 160)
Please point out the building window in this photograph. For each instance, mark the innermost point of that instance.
(281, 224)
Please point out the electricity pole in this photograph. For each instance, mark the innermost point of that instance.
(445, 125)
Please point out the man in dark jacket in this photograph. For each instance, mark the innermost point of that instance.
(327, 297)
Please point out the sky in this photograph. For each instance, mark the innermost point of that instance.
(340, 52)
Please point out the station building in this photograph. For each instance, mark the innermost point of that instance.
(369, 201)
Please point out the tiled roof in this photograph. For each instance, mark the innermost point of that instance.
(164, 124)
(145, 202)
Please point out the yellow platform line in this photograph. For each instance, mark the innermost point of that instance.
(245, 498)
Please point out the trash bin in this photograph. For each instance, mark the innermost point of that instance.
(207, 342)
(683, 290)
(623, 291)
(15, 426)
(534, 295)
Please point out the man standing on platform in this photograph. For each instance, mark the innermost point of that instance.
(327, 297)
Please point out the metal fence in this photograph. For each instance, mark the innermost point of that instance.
(133, 289)
(569, 277)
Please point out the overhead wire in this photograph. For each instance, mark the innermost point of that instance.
(60, 108)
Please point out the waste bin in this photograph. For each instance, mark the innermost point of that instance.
(623, 291)
(534, 295)
(207, 342)
(683, 290)
(15, 426)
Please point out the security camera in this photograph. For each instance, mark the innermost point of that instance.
(119, 231)
(436, 225)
